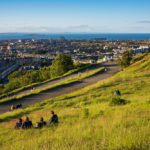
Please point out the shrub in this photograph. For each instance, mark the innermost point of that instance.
(118, 101)
(62, 64)
(126, 59)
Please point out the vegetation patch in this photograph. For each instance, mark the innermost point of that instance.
(66, 82)
(23, 85)
(118, 101)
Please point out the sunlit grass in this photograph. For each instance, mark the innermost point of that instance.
(87, 120)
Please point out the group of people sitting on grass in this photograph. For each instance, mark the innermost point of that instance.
(27, 124)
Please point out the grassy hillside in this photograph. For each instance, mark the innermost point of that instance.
(29, 86)
(88, 120)
(75, 79)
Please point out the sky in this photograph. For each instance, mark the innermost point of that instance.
(75, 16)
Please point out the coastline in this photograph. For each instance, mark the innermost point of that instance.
(76, 36)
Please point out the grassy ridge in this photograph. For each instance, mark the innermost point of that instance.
(87, 120)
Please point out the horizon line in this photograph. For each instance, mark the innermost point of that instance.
(74, 33)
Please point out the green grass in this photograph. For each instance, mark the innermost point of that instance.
(43, 82)
(87, 120)
(72, 80)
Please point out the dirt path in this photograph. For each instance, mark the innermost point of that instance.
(43, 85)
(111, 69)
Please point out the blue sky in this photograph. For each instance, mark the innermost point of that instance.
(102, 16)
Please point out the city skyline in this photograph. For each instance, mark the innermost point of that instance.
(61, 16)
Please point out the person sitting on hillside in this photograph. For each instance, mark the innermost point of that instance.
(19, 124)
(40, 124)
(54, 118)
(32, 89)
(106, 69)
(18, 106)
(27, 124)
(12, 108)
(117, 92)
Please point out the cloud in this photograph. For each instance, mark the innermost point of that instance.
(134, 28)
(144, 22)
(84, 28)
(47, 29)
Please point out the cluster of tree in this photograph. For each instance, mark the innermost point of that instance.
(62, 64)
(126, 59)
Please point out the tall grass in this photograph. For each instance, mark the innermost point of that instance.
(87, 120)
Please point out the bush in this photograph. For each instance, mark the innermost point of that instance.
(118, 101)
(126, 59)
(61, 65)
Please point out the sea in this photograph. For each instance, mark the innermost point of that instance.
(75, 36)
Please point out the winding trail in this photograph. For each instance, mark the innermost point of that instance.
(111, 69)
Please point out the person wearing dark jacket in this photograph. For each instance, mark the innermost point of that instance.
(54, 118)
(27, 124)
(41, 123)
(117, 92)
(19, 124)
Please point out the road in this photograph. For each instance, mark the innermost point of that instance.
(8, 71)
(43, 85)
(111, 69)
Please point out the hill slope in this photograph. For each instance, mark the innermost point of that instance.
(87, 120)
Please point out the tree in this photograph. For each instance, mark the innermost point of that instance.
(77, 64)
(1, 88)
(62, 64)
(126, 59)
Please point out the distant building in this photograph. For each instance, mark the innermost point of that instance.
(141, 49)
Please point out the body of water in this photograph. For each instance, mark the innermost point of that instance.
(9, 36)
